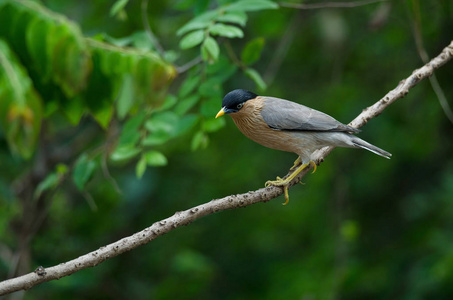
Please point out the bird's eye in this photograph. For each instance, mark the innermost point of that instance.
(240, 105)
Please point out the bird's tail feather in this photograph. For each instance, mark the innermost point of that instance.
(365, 145)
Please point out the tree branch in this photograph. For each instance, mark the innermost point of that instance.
(189, 65)
(416, 29)
(329, 4)
(234, 201)
(150, 33)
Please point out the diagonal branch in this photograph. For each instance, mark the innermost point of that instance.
(417, 32)
(329, 4)
(150, 33)
(186, 217)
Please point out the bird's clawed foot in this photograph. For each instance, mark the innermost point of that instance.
(285, 182)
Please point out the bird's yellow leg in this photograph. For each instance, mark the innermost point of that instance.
(296, 162)
(285, 182)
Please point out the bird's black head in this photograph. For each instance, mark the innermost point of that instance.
(234, 100)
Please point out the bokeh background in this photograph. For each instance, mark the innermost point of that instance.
(361, 227)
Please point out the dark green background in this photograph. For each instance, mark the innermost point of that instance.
(362, 227)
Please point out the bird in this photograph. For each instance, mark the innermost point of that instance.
(289, 126)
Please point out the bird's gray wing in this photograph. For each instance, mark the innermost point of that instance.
(282, 114)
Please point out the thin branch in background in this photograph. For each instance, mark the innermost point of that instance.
(105, 170)
(441, 96)
(230, 202)
(233, 55)
(329, 4)
(282, 49)
(90, 200)
(150, 33)
(13, 264)
(416, 29)
(189, 65)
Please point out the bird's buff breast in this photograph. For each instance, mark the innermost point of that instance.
(251, 124)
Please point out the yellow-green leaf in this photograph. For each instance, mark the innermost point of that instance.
(155, 159)
(20, 106)
(192, 39)
(252, 51)
(210, 49)
(228, 31)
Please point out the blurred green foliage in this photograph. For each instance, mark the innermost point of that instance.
(90, 106)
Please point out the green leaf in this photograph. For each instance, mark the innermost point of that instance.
(199, 140)
(73, 109)
(124, 153)
(125, 97)
(155, 159)
(164, 121)
(222, 69)
(130, 133)
(169, 102)
(252, 51)
(211, 88)
(228, 31)
(157, 138)
(226, 74)
(184, 5)
(50, 182)
(171, 56)
(120, 42)
(98, 97)
(210, 49)
(185, 124)
(212, 125)
(161, 127)
(210, 107)
(256, 77)
(186, 104)
(140, 168)
(235, 17)
(142, 41)
(192, 39)
(83, 170)
(68, 59)
(349, 230)
(151, 76)
(117, 7)
(21, 109)
(251, 5)
(56, 52)
(200, 22)
(62, 169)
(103, 114)
(37, 46)
(189, 85)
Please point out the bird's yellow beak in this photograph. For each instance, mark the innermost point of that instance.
(220, 113)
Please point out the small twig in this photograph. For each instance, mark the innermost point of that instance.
(329, 4)
(90, 200)
(105, 170)
(233, 55)
(190, 215)
(441, 97)
(282, 49)
(150, 33)
(189, 65)
(425, 58)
